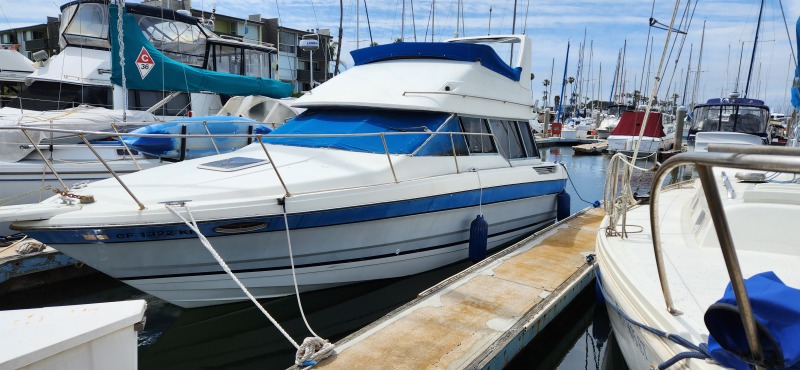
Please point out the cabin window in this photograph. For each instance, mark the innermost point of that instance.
(527, 138)
(47, 95)
(478, 143)
(86, 25)
(441, 145)
(144, 99)
(508, 138)
(227, 59)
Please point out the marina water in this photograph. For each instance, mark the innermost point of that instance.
(238, 336)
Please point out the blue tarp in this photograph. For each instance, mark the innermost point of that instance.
(776, 308)
(167, 74)
(437, 50)
(360, 121)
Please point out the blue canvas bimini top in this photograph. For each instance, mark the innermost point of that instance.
(360, 121)
(437, 50)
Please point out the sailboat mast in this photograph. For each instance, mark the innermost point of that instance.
(358, 39)
(563, 86)
(755, 45)
(403, 22)
(688, 72)
(699, 64)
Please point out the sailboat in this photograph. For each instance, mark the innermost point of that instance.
(381, 176)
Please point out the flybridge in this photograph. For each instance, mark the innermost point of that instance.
(466, 52)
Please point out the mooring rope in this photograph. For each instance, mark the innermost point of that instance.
(312, 349)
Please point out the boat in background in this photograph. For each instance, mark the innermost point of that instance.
(659, 133)
(381, 176)
(178, 78)
(14, 67)
(175, 68)
(87, 336)
(730, 120)
(611, 119)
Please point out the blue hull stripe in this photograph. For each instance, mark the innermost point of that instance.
(372, 212)
(537, 225)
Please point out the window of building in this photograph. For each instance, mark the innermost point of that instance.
(288, 42)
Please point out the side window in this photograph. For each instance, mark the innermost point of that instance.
(508, 138)
(477, 143)
(527, 138)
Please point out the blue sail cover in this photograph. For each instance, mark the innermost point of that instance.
(354, 121)
(776, 308)
(164, 73)
(437, 50)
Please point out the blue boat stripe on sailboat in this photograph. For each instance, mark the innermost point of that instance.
(144, 233)
(536, 225)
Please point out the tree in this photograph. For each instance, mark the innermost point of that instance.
(546, 83)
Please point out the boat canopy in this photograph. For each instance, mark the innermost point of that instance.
(146, 68)
(465, 52)
(631, 123)
(405, 131)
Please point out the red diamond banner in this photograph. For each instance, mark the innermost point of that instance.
(144, 63)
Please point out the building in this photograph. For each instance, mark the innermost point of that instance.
(294, 64)
(30, 39)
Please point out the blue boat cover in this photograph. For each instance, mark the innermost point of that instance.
(796, 85)
(360, 121)
(776, 308)
(167, 74)
(437, 50)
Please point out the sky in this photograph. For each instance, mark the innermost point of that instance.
(608, 25)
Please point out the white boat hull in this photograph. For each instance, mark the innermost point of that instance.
(649, 145)
(181, 271)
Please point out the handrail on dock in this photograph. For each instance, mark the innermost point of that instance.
(736, 156)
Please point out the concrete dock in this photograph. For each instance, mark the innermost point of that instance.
(482, 317)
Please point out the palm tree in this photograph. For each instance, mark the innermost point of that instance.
(546, 83)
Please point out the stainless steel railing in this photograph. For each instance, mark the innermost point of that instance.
(759, 158)
(380, 135)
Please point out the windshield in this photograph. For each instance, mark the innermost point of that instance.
(730, 118)
(415, 125)
(183, 42)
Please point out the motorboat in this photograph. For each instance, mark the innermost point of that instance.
(705, 275)
(658, 134)
(729, 120)
(381, 176)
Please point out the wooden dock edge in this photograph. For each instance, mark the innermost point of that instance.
(527, 327)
